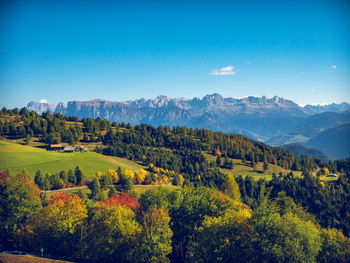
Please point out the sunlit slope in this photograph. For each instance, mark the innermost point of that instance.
(16, 157)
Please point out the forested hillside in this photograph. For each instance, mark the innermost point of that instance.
(211, 216)
(179, 149)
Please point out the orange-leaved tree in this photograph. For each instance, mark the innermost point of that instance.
(57, 227)
(124, 199)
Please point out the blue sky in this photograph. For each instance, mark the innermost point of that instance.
(121, 50)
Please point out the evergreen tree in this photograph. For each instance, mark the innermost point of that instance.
(266, 165)
(78, 175)
(112, 191)
(55, 181)
(39, 179)
(218, 161)
(85, 137)
(71, 177)
(46, 182)
(126, 183)
(63, 176)
(106, 181)
(96, 192)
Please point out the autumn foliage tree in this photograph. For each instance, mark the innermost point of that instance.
(113, 234)
(124, 199)
(20, 198)
(155, 241)
(231, 188)
(228, 238)
(114, 175)
(56, 227)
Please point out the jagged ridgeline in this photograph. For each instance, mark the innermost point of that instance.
(179, 149)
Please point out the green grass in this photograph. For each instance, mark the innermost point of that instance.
(16, 157)
(258, 172)
(137, 188)
(85, 190)
(143, 188)
(246, 169)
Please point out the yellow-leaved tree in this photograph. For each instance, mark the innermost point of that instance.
(142, 176)
(231, 188)
(112, 173)
(61, 219)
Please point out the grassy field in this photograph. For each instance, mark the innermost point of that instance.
(143, 188)
(15, 157)
(258, 172)
(139, 189)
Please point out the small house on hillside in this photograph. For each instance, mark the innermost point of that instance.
(68, 149)
(55, 147)
(332, 175)
(81, 149)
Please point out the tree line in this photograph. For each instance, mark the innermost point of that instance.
(162, 225)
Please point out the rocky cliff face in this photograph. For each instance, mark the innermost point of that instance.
(317, 109)
(252, 116)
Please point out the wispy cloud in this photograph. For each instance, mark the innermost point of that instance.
(246, 96)
(229, 70)
(43, 101)
(333, 67)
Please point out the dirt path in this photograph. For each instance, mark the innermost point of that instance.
(6, 258)
(65, 189)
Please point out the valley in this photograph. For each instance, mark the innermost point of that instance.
(275, 121)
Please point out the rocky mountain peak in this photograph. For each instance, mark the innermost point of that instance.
(214, 98)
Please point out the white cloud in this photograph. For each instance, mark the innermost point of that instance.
(246, 96)
(302, 73)
(43, 101)
(333, 67)
(313, 90)
(229, 70)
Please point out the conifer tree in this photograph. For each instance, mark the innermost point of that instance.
(78, 175)
(71, 177)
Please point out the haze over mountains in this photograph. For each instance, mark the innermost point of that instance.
(275, 121)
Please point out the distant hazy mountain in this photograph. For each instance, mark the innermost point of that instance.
(311, 127)
(41, 107)
(318, 123)
(300, 150)
(275, 121)
(255, 117)
(334, 142)
(316, 109)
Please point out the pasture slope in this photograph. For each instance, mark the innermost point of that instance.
(16, 157)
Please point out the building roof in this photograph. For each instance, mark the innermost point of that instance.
(69, 148)
(82, 147)
(55, 145)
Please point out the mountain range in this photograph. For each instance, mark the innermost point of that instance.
(275, 121)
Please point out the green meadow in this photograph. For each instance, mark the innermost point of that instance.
(16, 157)
(258, 172)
